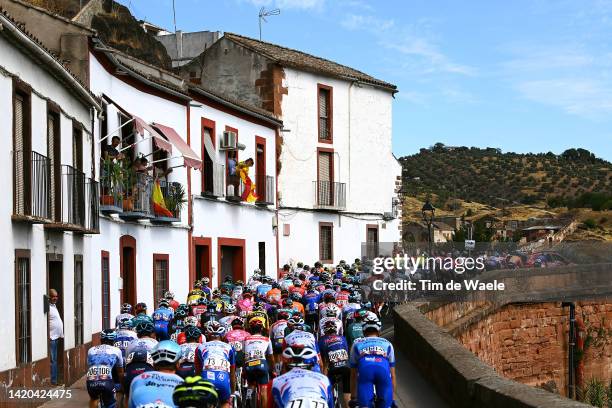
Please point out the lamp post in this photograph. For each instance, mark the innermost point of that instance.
(428, 211)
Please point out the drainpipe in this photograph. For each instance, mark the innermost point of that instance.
(571, 386)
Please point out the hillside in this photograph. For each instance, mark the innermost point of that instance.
(576, 178)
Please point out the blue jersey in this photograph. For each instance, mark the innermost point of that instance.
(161, 320)
(123, 337)
(101, 360)
(334, 350)
(311, 302)
(153, 389)
(263, 289)
(304, 386)
(368, 351)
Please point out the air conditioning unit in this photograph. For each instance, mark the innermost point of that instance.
(229, 141)
(388, 216)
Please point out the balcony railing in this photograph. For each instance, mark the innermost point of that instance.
(76, 207)
(264, 188)
(138, 196)
(234, 188)
(31, 187)
(112, 187)
(329, 195)
(213, 179)
(174, 199)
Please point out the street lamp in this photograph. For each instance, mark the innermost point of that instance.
(428, 211)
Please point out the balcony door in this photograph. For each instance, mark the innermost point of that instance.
(325, 177)
(127, 246)
(22, 152)
(55, 168)
(260, 167)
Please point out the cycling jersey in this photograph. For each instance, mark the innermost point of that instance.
(186, 362)
(227, 320)
(123, 337)
(198, 311)
(277, 335)
(304, 388)
(237, 293)
(273, 295)
(303, 339)
(335, 320)
(123, 316)
(334, 350)
(213, 360)
(311, 302)
(373, 358)
(353, 332)
(153, 389)
(101, 361)
(256, 350)
(235, 338)
(342, 299)
(146, 343)
(182, 339)
(194, 296)
(161, 320)
(263, 289)
(245, 304)
(174, 304)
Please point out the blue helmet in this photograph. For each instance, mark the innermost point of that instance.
(143, 325)
(108, 336)
(166, 351)
(125, 323)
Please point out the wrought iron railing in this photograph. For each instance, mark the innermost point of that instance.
(264, 188)
(92, 214)
(31, 186)
(138, 195)
(214, 174)
(329, 195)
(112, 187)
(72, 197)
(174, 199)
(234, 188)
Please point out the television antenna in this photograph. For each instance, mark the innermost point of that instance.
(263, 13)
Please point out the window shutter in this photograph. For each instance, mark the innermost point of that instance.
(19, 152)
(323, 113)
(52, 162)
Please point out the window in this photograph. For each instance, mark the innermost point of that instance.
(326, 237)
(23, 307)
(160, 276)
(53, 152)
(325, 113)
(22, 145)
(325, 178)
(372, 241)
(105, 291)
(78, 300)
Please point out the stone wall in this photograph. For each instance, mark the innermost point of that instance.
(529, 342)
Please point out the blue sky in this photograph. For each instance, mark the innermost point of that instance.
(522, 75)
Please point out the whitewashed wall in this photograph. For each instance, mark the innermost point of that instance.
(34, 237)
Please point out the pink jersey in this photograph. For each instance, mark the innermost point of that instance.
(245, 305)
(236, 339)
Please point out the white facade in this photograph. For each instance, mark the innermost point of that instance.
(362, 160)
(33, 239)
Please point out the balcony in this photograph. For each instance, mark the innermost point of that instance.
(264, 188)
(329, 195)
(174, 198)
(75, 203)
(213, 179)
(112, 188)
(137, 198)
(31, 187)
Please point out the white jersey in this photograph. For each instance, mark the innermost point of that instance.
(188, 352)
(337, 322)
(301, 338)
(256, 348)
(146, 343)
(302, 388)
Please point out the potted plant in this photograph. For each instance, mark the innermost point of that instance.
(113, 182)
(175, 199)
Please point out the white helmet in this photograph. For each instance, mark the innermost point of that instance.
(298, 356)
(371, 322)
(331, 310)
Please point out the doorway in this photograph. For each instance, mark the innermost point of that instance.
(55, 280)
(260, 167)
(127, 251)
(262, 256)
(231, 259)
(203, 258)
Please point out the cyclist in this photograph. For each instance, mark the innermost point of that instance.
(140, 309)
(105, 366)
(372, 361)
(199, 308)
(354, 328)
(297, 336)
(205, 282)
(311, 305)
(334, 353)
(258, 357)
(155, 388)
(195, 392)
(138, 353)
(229, 312)
(186, 366)
(235, 337)
(162, 317)
(178, 322)
(195, 294)
(301, 385)
(126, 313)
(190, 321)
(124, 335)
(169, 296)
(215, 361)
(331, 316)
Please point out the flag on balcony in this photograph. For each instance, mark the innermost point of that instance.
(249, 194)
(159, 205)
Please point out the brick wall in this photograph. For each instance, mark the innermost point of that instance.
(529, 342)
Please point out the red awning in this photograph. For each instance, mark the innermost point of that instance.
(140, 126)
(189, 156)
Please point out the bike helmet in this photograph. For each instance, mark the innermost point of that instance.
(202, 300)
(360, 314)
(257, 321)
(166, 351)
(237, 322)
(214, 328)
(108, 336)
(126, 308)
(288, 303)
(216, 293)
(282, 314)
(330, 327)
(371, 322)
(169, 295)
(140, 308)
(230, 309)
(195, 392)
(144, 327)
(295, 321)
(301, 357)
(295, 296)
(125, 323)
(191, 321)
(205, 281)
(180, 313)
(259, 307)
(192, 332)
(329, 297)
(163, 302)
(331, 310)
(355, 297)
(228, 279)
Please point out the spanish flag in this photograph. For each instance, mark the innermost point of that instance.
(159, 205)
(249, 194)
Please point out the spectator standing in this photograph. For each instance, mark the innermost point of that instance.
(56, 332)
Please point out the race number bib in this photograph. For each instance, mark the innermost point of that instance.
(216, 364)
(338, 356)
(96, 372)
(255, 355)
(306, 403)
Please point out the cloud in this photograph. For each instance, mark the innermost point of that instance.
(367, 22)
(586, 97)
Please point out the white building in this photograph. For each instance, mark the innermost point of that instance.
(48, 215)
(339, 181)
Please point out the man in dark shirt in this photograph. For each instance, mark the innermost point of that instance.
(111, 151)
